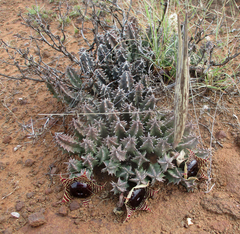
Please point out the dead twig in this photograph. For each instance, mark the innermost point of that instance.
(209, 171)
(20, 78)
(10, 193)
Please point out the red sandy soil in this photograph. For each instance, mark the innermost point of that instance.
(30, 163)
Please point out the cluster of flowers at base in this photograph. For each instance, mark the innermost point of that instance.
(135, 199)
(82, 187)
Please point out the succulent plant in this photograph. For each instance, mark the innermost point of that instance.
(119, 126)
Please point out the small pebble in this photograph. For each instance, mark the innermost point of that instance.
(189, 221)
(22, 101)
(46, 54)
(8, 231)
(237, 140)
(14, 109)
(55, 204)
(20, 161)
(2, 219)
(54, 170)
(29, 162)
(36, 219)
(48, 191)
(30, 195)
(41, 199)
(63, 211)
(31, 203)
(59, 196)
(25, 215)
(2, 166)
(7, 140)
(15, 214)
(30, 209)
(74, 205)
(42, 210)
(16, 148)
(19, 205)
(220, 135)
(58, 188)
(76, 221)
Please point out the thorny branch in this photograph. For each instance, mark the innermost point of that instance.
(20, 78)
(46, 36)
(207, 50)
(96, 13)
(35, 65)
(226, 60)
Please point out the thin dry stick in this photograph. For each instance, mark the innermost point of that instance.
(3, 88)
(195, 113)
(16, 118)
(110, 113)
(106, 113)
(237, 119)
(210, 133)
(10, 193)
(25, 127)
(210, 148)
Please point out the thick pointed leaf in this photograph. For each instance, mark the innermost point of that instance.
(117, 153)
(111, 167)
(154, 127)
(68, 143)
(103, 53)
(119, 187)
(105, 106)
(103, 154)
(89, 146)
(148, 143)
(149, 103)
(78, 128)
(136, 128)
(140, 177)
(90, 112)
(166, 162)
(138, 94)
(189, 142)
(125, 172)
(102, 128)
(74, 166)
(69, 96)
(101, 76)
(161, 147)
(140, 158)
(126, 82)
(128, 109)
(86, 62)
(91, 133)
(89, 161)
(174, 176)
(111, 141)
(119, 129)
(129, 144)
(155, 173)
(119, 97)
(74, 78)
